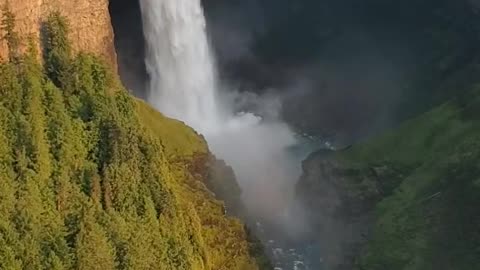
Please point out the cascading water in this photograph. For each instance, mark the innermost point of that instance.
(183, 85)
(180, 62)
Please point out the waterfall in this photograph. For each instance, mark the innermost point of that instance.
(183, 75)
(183, 85)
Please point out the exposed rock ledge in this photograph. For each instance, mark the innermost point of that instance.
(90, 24)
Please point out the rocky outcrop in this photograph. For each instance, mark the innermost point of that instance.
(90, 24)
(339, 201)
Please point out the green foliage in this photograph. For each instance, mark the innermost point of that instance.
(430, 219)
(8, 27)
(91, 178)
(57, 48)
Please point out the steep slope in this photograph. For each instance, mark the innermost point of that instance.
(404, 200)
(92, 178)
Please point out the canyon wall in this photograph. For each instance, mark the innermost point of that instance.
(404, 200)
(90, 24)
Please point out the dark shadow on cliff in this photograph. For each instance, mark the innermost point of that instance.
(129, 44)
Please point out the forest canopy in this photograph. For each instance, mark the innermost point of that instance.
(91, 178)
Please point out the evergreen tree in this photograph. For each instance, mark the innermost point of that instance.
(93, 249)
(10, 87)
(7, 185)
(57, 49)
(33, 109)
(85, 178)
(8, 255)
(11, 36)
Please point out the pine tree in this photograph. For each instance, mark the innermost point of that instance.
(8, 256)
(34, 111)
(95, 188)
(93, 249)
(7, 185)
(145, 246)
(11, 36)
(10, 87)
(57, 49)
(29, 221)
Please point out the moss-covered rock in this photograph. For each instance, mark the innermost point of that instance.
(409, 196)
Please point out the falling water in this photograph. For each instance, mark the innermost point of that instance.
(183, 85)
(180, 62)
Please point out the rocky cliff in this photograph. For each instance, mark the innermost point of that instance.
(91, 29)
(339, 209)
(405, 200)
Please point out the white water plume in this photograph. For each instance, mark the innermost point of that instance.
(184, 85)
(180, 62)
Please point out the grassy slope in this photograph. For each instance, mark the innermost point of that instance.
(432, 218)
(225, 237)
(178, 139)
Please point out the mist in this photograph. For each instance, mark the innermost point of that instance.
(258, 150)
(256, 142)
(360, 63)
(244, 129)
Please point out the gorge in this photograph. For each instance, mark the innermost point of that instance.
(334, 134)
(184, 85)
(346, 71)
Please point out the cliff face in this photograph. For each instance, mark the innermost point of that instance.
(339, 208)
(90, 24)
(405, 200)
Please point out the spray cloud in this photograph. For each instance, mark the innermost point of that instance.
(184, 85)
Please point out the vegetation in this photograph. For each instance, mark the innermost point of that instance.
(8, 27)
(428, 218)
(91, 178)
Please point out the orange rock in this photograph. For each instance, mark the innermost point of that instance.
(90, 24)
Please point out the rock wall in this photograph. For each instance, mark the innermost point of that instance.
(130, 45)
(90, 24)
(338, 201)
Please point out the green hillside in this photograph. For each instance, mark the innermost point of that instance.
(91, 178)
(424, 177)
